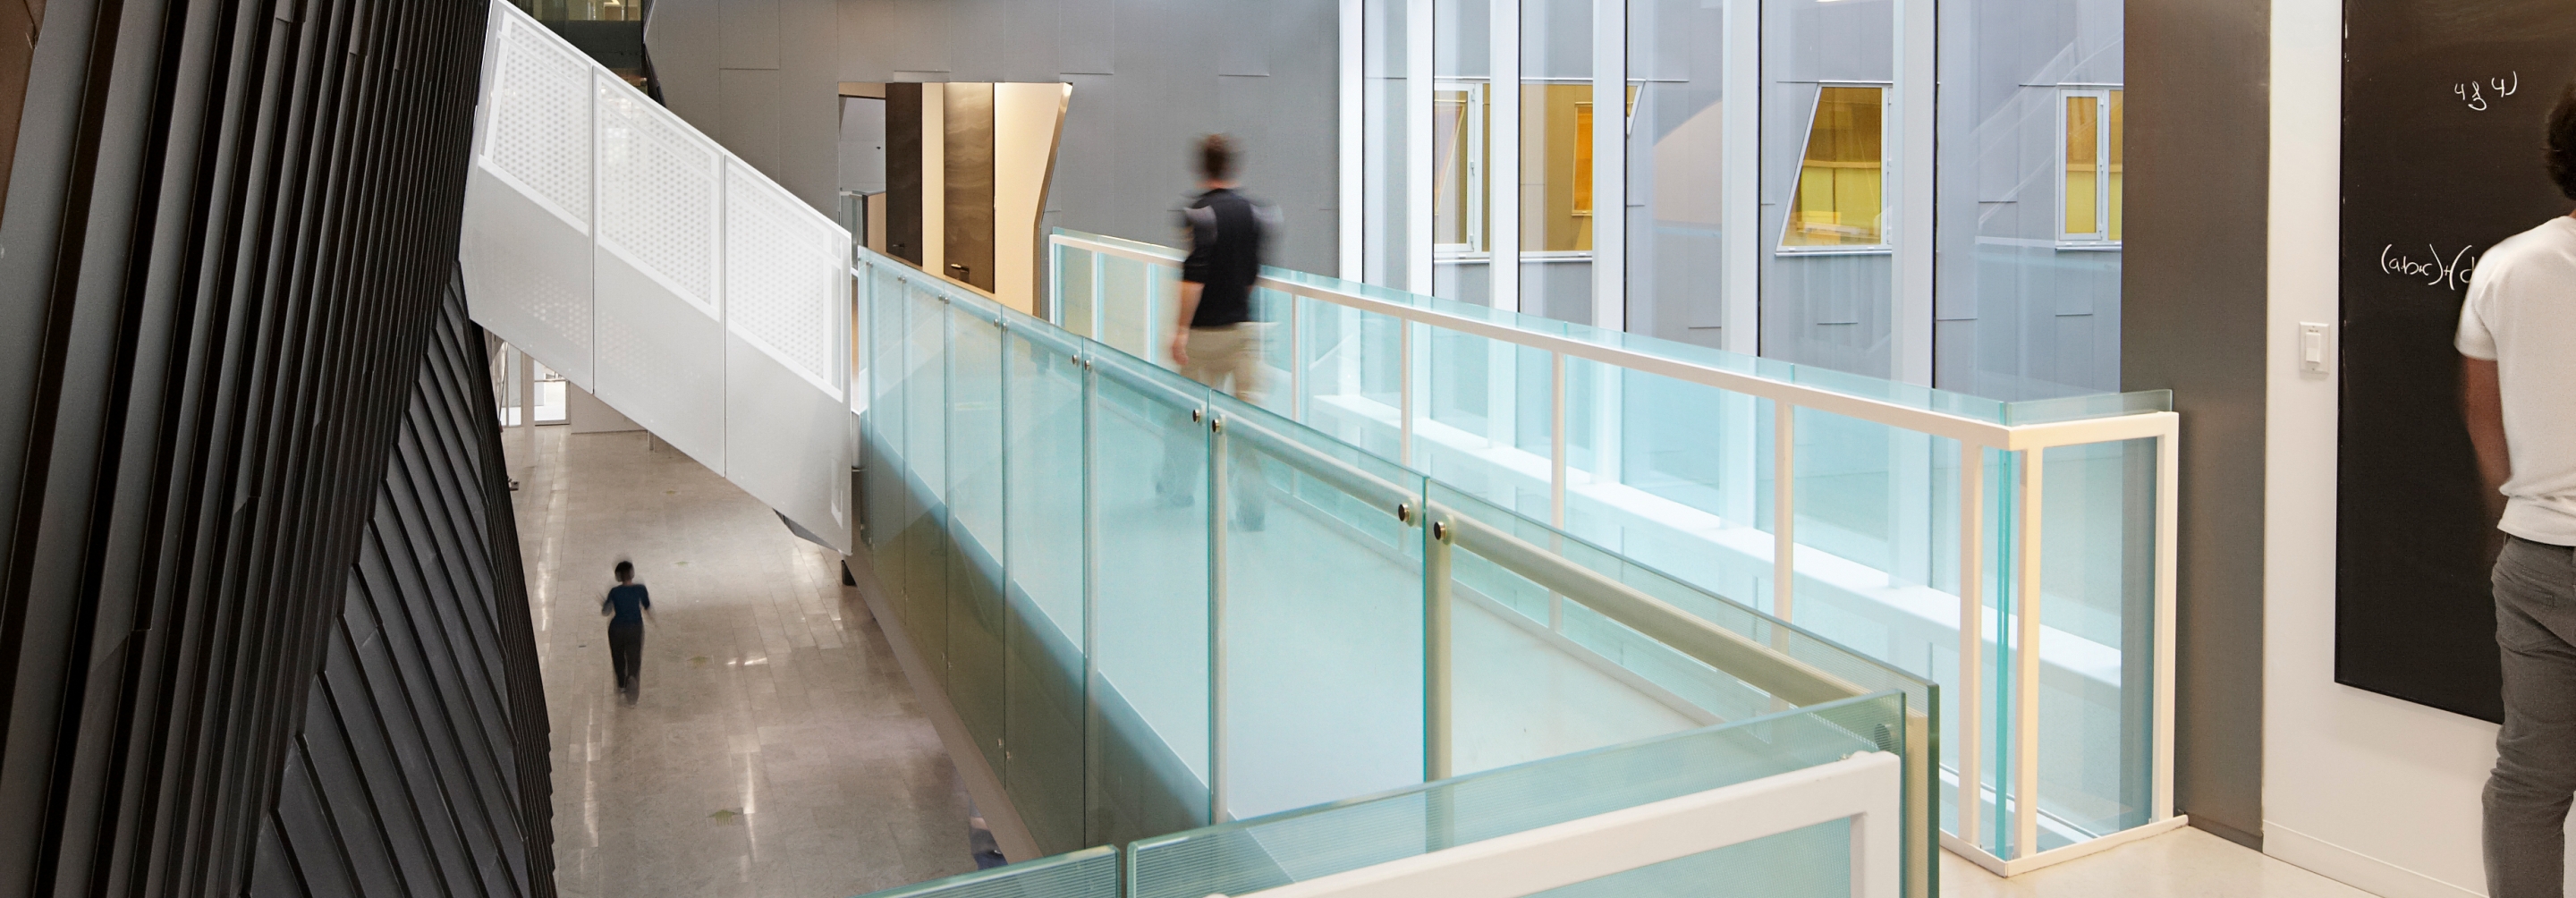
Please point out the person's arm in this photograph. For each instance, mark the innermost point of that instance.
(608, 604)
(1189, 304)
(644, 597)
(2482, 402)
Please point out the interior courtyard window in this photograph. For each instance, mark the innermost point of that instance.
(2091, 167)
(1556, 166)
(1555, 151)
(1840, 198)
(1458, 182)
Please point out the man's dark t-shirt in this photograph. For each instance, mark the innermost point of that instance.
(630, 601)
(1226, 233)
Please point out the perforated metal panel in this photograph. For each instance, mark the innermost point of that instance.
(658, 203)
(538, 135)
(691, 294)
(784, 269)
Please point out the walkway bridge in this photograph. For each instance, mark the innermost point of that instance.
(1470, 603)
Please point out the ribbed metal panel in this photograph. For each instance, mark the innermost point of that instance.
(260, 606)
(421, 764)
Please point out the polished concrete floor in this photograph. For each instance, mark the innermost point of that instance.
(776, 749)
(2185, 863)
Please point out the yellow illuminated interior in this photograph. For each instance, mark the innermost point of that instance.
(1840, 184)
(2083, 164)
(1556, 167)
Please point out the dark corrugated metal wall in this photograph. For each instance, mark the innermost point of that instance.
(421, 765)
(243, 428)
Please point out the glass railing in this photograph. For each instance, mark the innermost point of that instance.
(1731, 798)
(1826, 498)
(1156, 607)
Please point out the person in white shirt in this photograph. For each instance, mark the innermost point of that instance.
(2517, 340)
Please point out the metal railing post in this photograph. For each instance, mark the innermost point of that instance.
(1784, 509)
(2025, 655)
(1215, 442)
(1440, 824)
(1436, 661)
(1556, 477)
(1296, 359)
(2168, 528)
(1967, 701)
(1404, 406)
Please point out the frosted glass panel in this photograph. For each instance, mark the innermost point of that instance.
(1149, 691)
(1042, 453)
(1322, 618)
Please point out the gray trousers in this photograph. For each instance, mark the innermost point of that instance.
(2535, 774)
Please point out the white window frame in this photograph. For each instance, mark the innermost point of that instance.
(2099, 238)
(1886, 122)
(1477, 172)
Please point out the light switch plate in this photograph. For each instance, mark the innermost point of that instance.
(2312, 347)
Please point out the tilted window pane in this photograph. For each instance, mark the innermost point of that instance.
(1839, 197)
(1458, 145)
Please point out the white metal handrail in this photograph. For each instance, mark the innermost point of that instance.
(1863, 789)
(1974, 437)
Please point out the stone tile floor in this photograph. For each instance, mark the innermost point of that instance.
(776, 749)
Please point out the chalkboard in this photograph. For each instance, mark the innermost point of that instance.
(2444, 105)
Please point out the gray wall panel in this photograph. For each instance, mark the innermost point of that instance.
(2199, 139)
(1264, 72)
(748, 116)
(747, 34)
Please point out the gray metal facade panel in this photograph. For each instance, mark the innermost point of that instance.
(263, 626)
(2193, 315)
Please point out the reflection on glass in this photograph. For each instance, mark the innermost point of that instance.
(1676, 54)
(1841, 181)
(2027, 185)
(1387, 104)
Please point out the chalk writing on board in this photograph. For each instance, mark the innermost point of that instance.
(2448, 273)
(2474, 92)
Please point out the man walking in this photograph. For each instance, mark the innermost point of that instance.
(627, 607)
(2518, 339)
(1218, 338)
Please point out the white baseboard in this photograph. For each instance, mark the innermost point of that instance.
(2353, 868)
(1010, 834)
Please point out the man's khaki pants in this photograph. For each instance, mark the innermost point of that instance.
(1227, 358)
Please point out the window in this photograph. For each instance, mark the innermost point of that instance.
(1458, 187)
(2090, 167)
(1840, 201)
(1556, 167)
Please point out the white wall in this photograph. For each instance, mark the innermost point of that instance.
(2371, 790)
